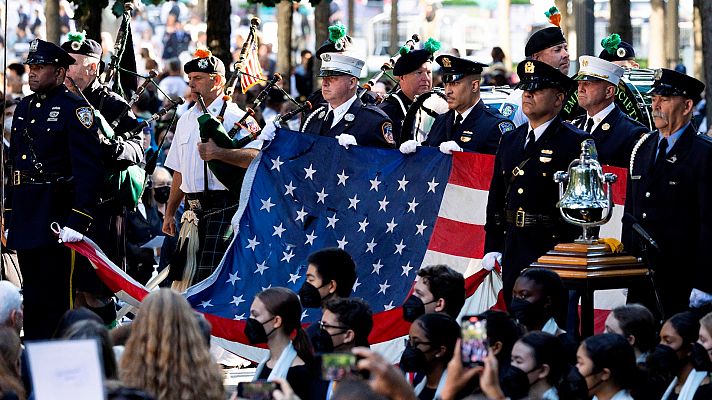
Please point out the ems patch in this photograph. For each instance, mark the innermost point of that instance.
(506, 126)
(508, 110)
(387, 131)
(85, 116)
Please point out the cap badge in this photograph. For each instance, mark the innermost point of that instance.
(446, 62)
(349, 117)
(620, 52)
(606, 126)
(203, 63)
(33, 45)
(326, 57)
(529, 67)
(584, 62)
(658, 74)
(76, 46)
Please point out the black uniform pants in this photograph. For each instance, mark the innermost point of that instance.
(46, 273)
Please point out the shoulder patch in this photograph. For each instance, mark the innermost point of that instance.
(506, 126)
(85, 116)
(508, 110)
(387, 131)
(251, 125)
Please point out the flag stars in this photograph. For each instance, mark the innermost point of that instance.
(332, 221)
(406, 269)
(432, 185)
(261, 267)
(321, 196)
(389, 306)
(237, 300)
(233, 278)
(402, 183)
(252, 243)
(310, 172)
(370, 246)
(342, 178)
(391, 225)
(301, 214)
(276, 164)
(342, 243)
(278, 230)
(356, 285)
(310, 238)
(354, 201)
(239, 317)
(383, 287)
(290, 189)
(421, 228)
(287, 256)
(206, 304)
(399, 248)
(374, 184)
(304, 314)
(293, 278)
(377, 267)
(362, 225)
(383, 204)
(412, 205)
(266, 204)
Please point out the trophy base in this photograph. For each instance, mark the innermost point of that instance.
(596, 256)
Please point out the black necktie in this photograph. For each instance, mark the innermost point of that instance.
(531, 139)
(589, 125)
(662, 151)
(326, 125)
(458, 122)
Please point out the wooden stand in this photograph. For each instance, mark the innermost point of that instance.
(591, 267)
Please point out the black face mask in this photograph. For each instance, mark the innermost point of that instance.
(515, 383)
(160, 194)
(309, 295)
(414, 308)
(324, 343)
(701, 358)
(527, 313)
(413, 359)
(255, 331)
(664, 359)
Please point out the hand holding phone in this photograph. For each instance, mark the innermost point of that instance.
(473, 345)
(336, 366)
(257, 390)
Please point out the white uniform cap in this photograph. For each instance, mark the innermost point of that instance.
(594, 68)
(340, 64)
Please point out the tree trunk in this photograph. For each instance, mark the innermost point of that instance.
(620, 20)
(51, 10)
(656, 54)
(393, 38)
(697, 70)
(88, 18)
(505, 38)
(218, 32)
(284, 40)
(705, 8)
(321, 26)
(352, 16)
(672, 33)
(566, 20)
(200, 9)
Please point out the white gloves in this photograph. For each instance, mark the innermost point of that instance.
(346, 140)
(699, 298)
(268, 131)
(489, 259)
(69, 235)
(409, 146)
(449, 146)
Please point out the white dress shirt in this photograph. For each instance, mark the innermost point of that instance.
(538, 131)
(599, 116)
(183, 154)
(341, 110)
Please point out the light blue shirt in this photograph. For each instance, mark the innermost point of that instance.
(671, 140)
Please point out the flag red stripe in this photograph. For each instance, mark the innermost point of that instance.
(472, 170)
(458, 238)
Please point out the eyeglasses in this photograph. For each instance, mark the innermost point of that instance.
(409, 341)
(323, 325)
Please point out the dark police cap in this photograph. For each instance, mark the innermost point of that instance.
(536, 75)
(455, 68)
(411, 61)
(673, 83)
(79, 44)
(543, 39)
(614, 49)
(206, 62)
(42, 52)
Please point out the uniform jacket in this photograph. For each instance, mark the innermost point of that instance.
(615, 137)
(479, 132)
(396, 106)
(368, 124)
(57, 130)
(672, 203)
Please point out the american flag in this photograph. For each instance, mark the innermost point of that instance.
(251, 73)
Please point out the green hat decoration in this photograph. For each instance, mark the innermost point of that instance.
(431, 45)
(77, 38)
(337, 35)
(610, 43)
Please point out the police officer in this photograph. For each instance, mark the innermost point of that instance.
(523, 222)
(669, 194)
(414, 71)
(618, 52)
(57, 172)
(549, 46)
(344, 116)
(614, 131)
(469, 124)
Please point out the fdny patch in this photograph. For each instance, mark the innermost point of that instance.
(387, 131)
(508, 110)
(85, 116)
(251, 125)
(506, 126)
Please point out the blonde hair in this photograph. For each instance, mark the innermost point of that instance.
(166, 355)
(706, 322)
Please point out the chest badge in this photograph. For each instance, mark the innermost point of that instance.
(606, 126)
(466, 136)
(349, 117)
(54, 114)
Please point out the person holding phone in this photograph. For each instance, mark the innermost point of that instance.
(429, 346)
(275, 317)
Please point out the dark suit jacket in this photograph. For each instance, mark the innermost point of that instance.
(392, 107)
(671, 201)
(615, 137)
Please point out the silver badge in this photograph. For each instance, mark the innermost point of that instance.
(54, 114)
(76, 46)
(620, 52)
(326, 57)
(658, 74)
(203, 63)
(321, 114)
(33, 46)
(349, 117)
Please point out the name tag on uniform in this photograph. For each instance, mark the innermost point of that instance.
(635, 177)
(466, 136)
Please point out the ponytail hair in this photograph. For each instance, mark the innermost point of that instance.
(285, 303)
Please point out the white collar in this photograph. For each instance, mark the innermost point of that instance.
(551, 327)
(341, 110)
(538, 131)
(467, 112)
(213, 108)
(600, 116)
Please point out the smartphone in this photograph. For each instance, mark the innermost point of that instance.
(257, 390)
(336, 366)
(474, 343)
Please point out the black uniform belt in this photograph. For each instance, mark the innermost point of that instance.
(210, 199)
(523, 219)
(36, 178)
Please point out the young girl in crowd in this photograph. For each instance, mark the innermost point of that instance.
(430, 345)
(637, 324)
(607, 362)
(275, 315)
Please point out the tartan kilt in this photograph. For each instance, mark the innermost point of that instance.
(215, 233)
